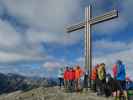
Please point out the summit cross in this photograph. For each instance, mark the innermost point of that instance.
(89, 21)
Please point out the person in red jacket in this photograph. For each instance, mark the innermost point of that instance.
(94, 77)
(66, 77)
(114, 70)
(71, 79)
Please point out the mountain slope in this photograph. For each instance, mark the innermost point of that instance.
(51, 93)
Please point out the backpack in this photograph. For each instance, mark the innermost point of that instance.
(101, 72)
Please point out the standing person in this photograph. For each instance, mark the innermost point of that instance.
(94, 77)
(71, 79)
(78, 74)
(60, 77)
(66, 77)
(86, 77)
(121, 78)
(101, 79)
(114, 70)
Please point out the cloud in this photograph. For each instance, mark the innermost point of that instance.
(106, 44)
(105, 47)
(120, 50)
(8, 57)
(127, 10)
(13, 49)
(8, 36)
(52, 65)
(25, 69)
(48, 14)
(112, 26)
(51, 37)
(46, 21)
(80, 61)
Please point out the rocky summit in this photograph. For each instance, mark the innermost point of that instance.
(51, 93)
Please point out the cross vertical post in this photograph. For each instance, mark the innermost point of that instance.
(88, 65)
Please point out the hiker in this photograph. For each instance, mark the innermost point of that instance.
(114, 70)
(86, 77)
(71, 79)
(60, 77)
(78, 74)
(121, 79)
(66, 77)
(94, 77)
(101, 79)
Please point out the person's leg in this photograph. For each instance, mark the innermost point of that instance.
(66, 83)
(92, 86)
(104, 86)
(85, 85)
(95, 85)
(125, 94)
(60, 82)
(119, 89)
(124, 89)
(63, 81)
(98, 87)
(69, 84)
(78, 84)
(73, 84)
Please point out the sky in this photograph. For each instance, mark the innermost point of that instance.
(33, 40)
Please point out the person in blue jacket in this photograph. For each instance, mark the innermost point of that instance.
(121, 78)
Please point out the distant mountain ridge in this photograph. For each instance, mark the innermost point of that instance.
(13, 82)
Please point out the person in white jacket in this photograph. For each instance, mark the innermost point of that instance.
(60, 76)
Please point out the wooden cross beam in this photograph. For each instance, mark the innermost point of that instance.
(87, 25)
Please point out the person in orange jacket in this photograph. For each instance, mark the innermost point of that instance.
(94, 77)
(66, 77)
(78, 73)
